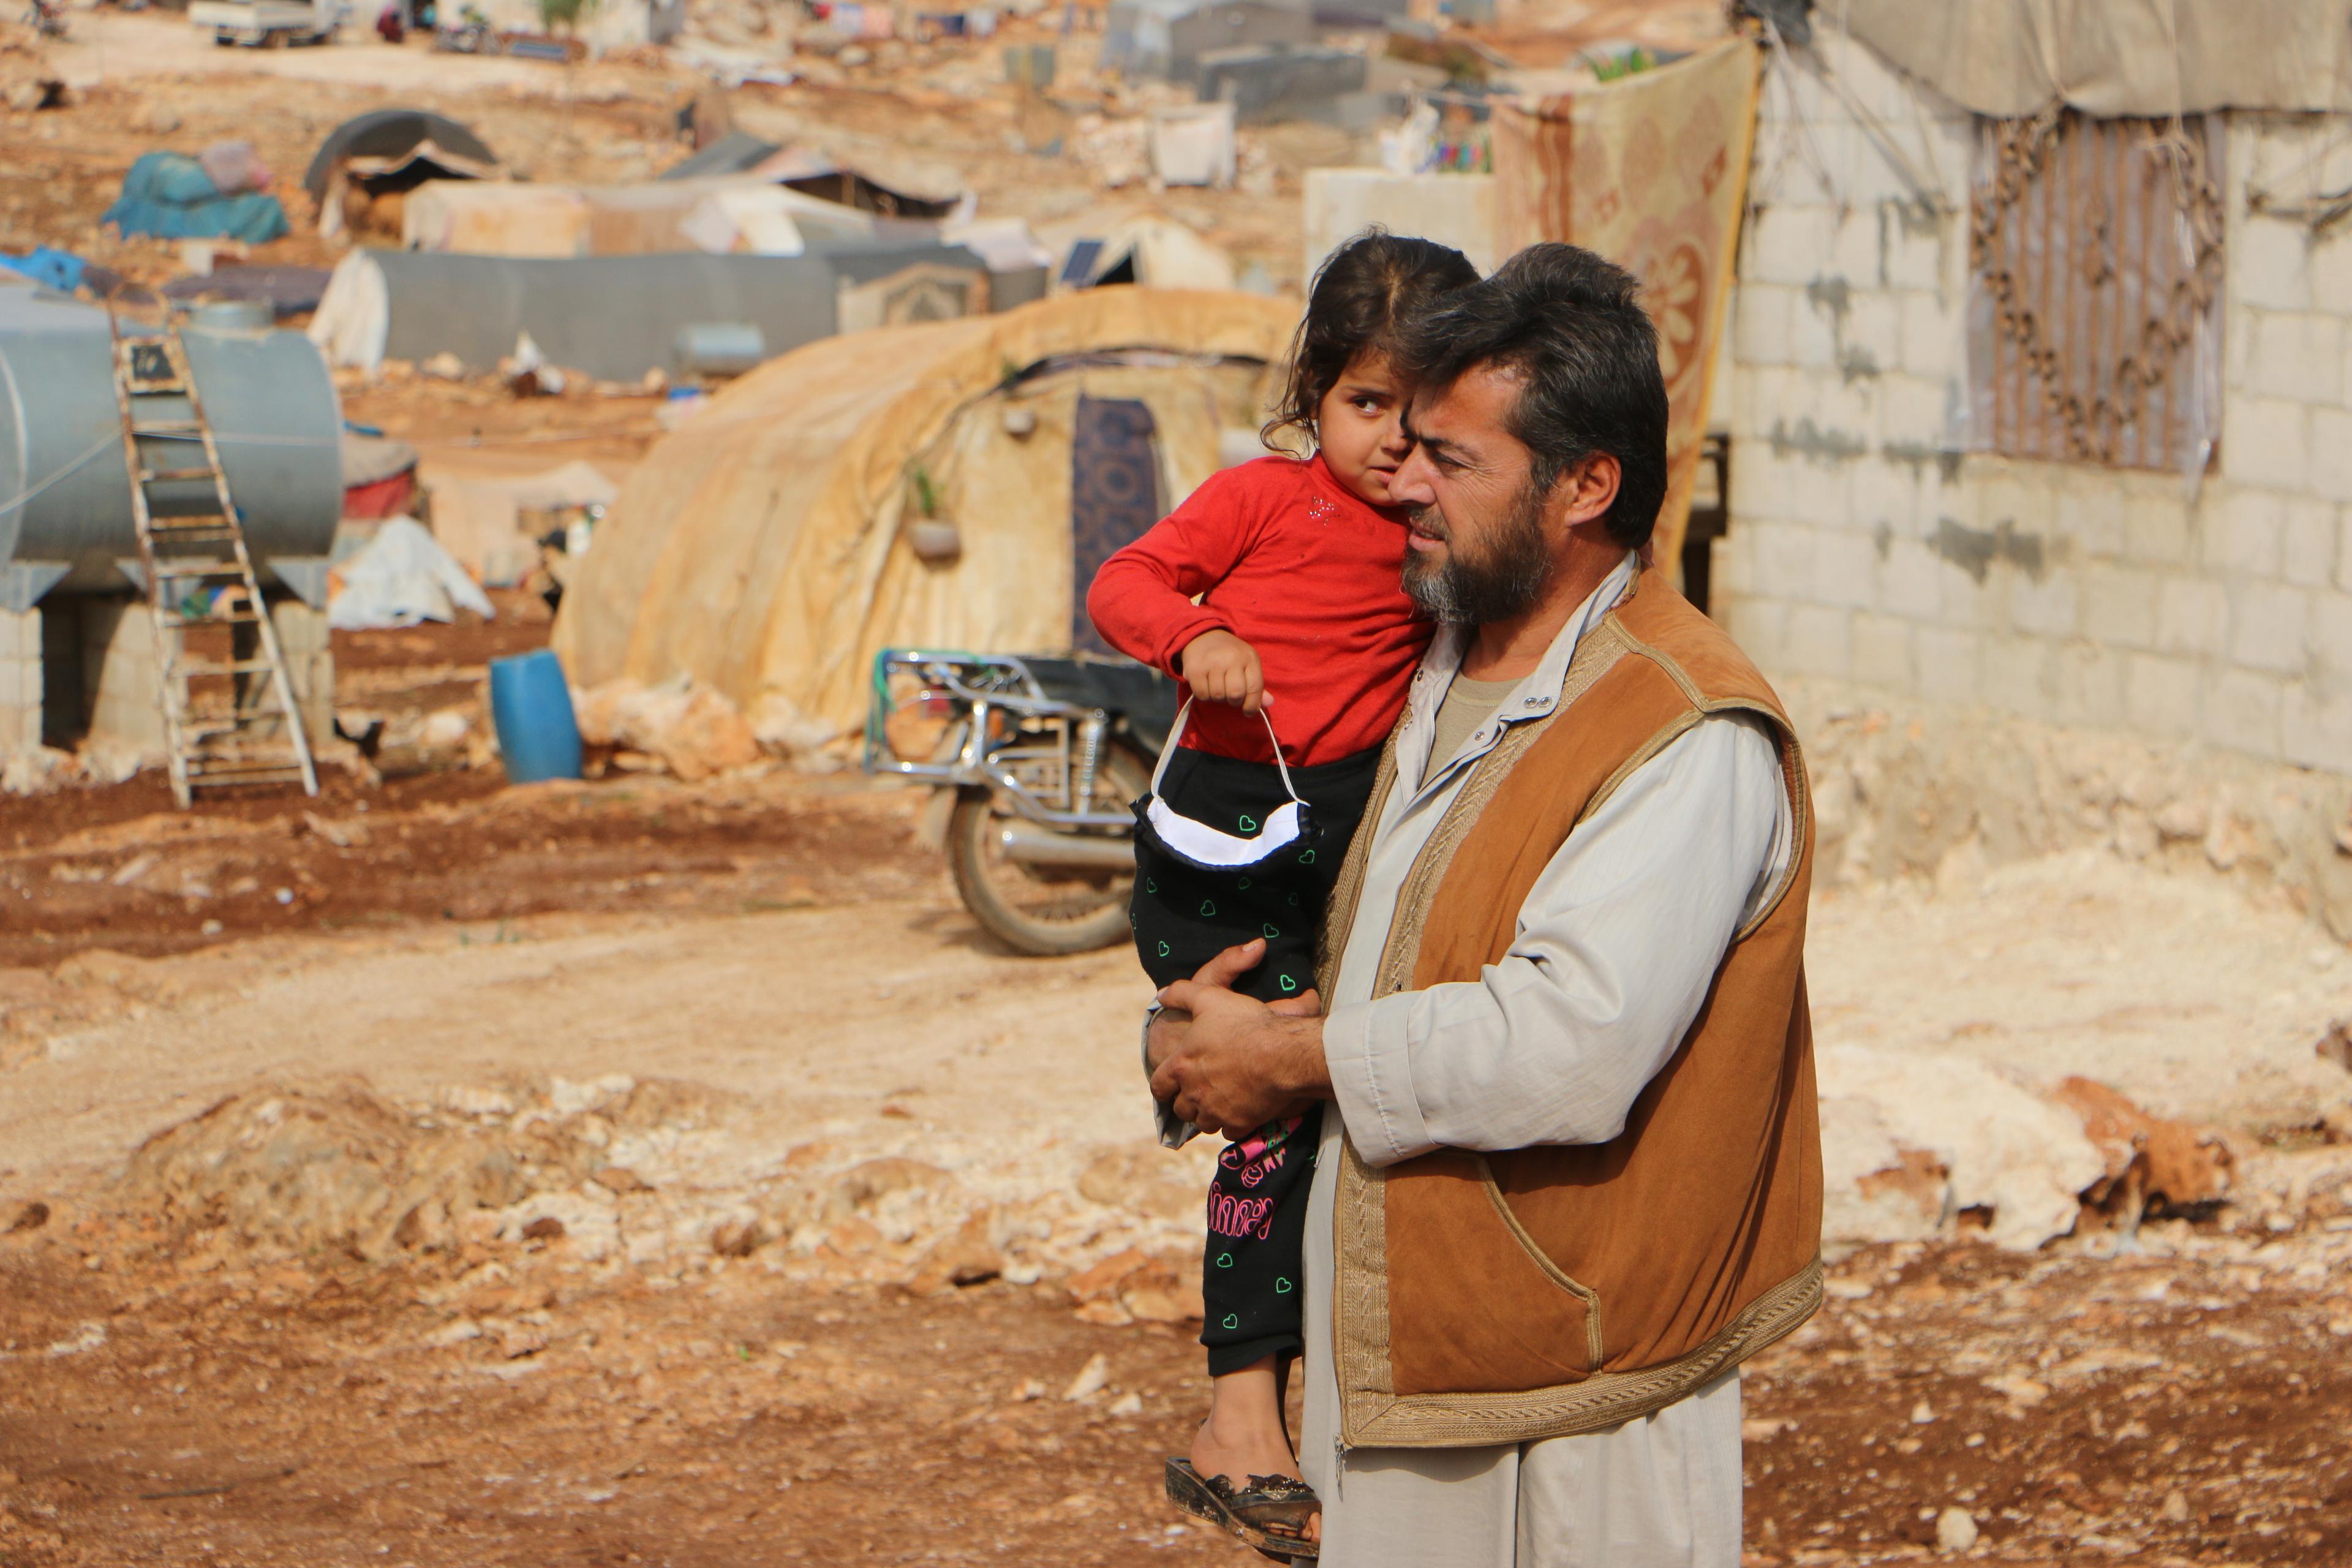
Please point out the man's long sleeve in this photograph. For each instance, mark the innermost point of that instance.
(1618, 940)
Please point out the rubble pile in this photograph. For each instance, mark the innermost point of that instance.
(1920, 1145)
(653, 1174)
(1928, 791)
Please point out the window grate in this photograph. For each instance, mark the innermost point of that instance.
(2094, 276)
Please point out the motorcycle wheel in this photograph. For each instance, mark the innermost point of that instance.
(1044, 909)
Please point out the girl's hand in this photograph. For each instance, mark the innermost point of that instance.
(1220, 668)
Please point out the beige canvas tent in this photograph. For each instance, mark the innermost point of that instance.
(769, 548)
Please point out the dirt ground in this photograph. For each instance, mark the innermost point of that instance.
(2076, 1409)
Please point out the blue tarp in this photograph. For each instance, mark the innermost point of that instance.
(57, 269)
(169, 195)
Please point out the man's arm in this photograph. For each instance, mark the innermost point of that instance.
(1619, 943)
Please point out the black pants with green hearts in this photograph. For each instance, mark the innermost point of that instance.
(1184, 916)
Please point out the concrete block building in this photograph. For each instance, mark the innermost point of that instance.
(2046, 411)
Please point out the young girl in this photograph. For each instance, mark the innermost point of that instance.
(1296, 659)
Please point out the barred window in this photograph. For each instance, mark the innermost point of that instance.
(2094, 281)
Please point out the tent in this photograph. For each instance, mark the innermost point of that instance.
(721, 215)
(1146, 248)
(391, 133)
(618, 317)
(769, 548)
(2011, 57)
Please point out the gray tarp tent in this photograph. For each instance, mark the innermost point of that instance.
(616, 317)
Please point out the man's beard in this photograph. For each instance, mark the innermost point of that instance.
(1499, 585)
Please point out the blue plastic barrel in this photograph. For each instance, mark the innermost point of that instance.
(531, 704)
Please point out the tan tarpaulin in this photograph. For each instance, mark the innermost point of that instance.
(1649, 171)
(759, 547)
(518, 218)
(2011, 58)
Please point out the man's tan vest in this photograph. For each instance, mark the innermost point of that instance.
(1501, 1298)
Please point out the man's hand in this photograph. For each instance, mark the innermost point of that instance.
(1220, 668)
(1169, 1025)
(1229, 1063)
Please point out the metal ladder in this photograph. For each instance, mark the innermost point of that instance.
(229, 722)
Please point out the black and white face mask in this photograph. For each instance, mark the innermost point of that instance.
(1287, 827)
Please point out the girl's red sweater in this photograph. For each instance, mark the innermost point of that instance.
(1308, 573)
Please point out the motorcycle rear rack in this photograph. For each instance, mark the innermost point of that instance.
(985, 684)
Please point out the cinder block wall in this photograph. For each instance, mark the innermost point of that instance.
(1867, 544)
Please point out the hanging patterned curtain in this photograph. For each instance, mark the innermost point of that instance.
(1114, 496)
(1649, 171)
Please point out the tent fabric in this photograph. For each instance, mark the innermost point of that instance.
(759, 548)
(59, 269)
(390, 133)
(2106, 57)
(401, 578)
(169, 195)
(479, 520)
(719, 215)
(1158, 252)
(730, 154)
(614, 317)
(1650, 170)
(289, 290)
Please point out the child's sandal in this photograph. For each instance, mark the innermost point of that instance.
(1271, 1513)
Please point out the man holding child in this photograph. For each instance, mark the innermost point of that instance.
(1570, 1177)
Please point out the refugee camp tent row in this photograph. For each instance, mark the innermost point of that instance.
(618, 317)
(942, 484)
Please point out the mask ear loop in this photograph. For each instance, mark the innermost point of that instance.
(1176, 733)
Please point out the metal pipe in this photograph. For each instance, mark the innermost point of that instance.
(1031, 846)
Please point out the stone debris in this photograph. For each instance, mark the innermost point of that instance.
(1911, 1141)
(1091, 1379)
(1954, 1530)
(685, 730)
(2148, 1159)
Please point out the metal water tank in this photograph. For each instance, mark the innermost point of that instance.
(65, 492)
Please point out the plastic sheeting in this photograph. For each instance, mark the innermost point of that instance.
(760, 550)
(614, 317)
(2011, 58)
(403, 577)
(169, 195)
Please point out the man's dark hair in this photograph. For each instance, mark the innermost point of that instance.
(1365, 295)
(1570, 326)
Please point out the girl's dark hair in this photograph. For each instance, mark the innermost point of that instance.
(1365, 296)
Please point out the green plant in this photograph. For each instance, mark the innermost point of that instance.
(564, 15)
(1606, 68)
(927, 490)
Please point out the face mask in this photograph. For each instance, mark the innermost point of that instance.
(1207, 849)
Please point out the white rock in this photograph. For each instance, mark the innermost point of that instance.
(571, 1098)
(1954, 1530)
(1090, 1379)
(2004, 1148)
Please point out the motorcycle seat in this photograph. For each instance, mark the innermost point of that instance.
(1142, 696)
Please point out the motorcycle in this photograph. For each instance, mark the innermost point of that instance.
(1034, 762)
